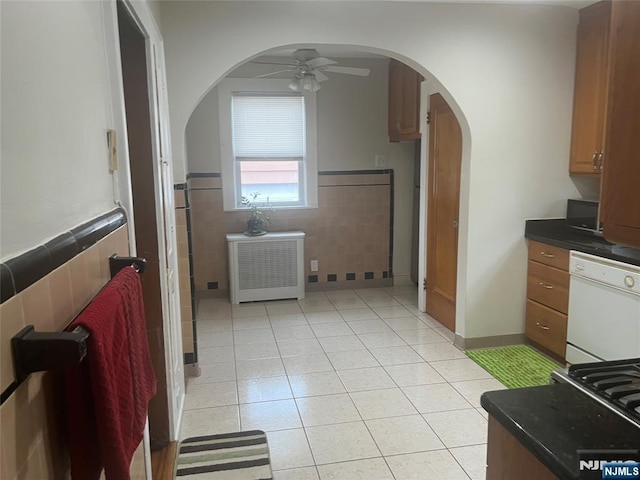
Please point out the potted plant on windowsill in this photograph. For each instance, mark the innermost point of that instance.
(258, 221)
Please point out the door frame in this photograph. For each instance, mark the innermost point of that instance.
(158, 109)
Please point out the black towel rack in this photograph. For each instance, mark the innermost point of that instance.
(40, 351)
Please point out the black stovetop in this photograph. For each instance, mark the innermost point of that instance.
(615, 382)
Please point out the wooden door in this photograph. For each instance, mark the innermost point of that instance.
(620, 194)
(590, 91)
(445, 156)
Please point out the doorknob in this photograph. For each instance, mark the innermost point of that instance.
(455, 224)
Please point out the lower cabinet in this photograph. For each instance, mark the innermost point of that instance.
(547, 297)
(546, 327)
(507, 458)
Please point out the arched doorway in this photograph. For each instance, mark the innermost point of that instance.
(203, 172)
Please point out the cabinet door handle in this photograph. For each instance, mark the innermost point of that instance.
(548, 286)
(548, 255)
(594, 162)
(543, 327)
(600, 158)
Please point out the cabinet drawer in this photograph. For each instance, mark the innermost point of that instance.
(549, 286)
(549, 255)
(546, 327)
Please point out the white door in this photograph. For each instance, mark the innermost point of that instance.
(174, 359)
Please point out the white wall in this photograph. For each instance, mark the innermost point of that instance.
(203, 136)
(352, 130)
(154, 8)
(56, 109)
(507, 71)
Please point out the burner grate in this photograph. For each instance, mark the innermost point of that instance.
(617, 382)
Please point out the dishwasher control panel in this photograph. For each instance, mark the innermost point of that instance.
(609, 272)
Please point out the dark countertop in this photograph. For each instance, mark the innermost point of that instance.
(554, 421)
(555, 232)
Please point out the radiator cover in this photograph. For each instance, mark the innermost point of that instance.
(268, 267)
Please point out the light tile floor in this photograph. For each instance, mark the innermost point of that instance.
(348, 385)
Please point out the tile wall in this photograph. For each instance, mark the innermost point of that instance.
(32, 443)
(350, 234)
(185, 272)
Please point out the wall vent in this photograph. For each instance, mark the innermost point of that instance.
(268, 267)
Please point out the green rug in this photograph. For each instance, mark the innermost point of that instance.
(515, 366)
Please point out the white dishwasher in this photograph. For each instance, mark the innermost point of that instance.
(604, 310)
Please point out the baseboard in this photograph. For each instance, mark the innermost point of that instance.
(348, 285)
(487, 342)
(217, 293)
(191, 370)
(402, 280)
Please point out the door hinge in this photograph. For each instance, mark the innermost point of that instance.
(424, 284)
(428, 118)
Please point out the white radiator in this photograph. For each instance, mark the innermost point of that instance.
(268, 267)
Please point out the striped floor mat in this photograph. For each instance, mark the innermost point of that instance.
(229, 456)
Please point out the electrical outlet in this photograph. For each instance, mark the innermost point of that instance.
(314, 265)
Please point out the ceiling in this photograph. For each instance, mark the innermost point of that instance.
(563, 3)
(338, 51)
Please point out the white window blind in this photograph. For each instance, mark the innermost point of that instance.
(267, 143)
(268, 127)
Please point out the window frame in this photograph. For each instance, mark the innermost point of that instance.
(229, 167)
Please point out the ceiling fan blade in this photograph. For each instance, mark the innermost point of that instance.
(276, 64)
(273, 73)
(320, 62)
(321, 77)
(362, 72)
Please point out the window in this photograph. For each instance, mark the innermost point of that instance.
(268, 146)
(265, 143)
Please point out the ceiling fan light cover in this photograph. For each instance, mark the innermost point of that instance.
(309, 83)
(294, 84)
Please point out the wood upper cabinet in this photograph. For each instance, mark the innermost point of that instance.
(620, 194)
(590, 90)
(404, 102)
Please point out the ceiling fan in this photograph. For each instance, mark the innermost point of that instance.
(308, 67)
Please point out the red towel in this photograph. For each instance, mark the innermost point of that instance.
(107, 395)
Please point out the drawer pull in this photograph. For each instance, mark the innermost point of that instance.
(546, 285)
(543, 327)
(548, 255)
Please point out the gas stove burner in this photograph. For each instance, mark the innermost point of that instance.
(615, 384)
